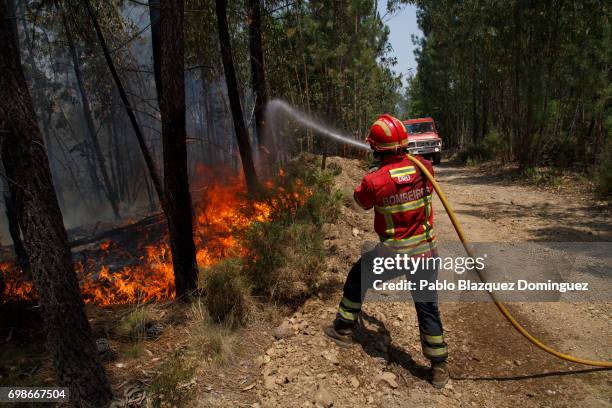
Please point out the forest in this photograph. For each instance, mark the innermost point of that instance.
(525, 81)
(139, 165)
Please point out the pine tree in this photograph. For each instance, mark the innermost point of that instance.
(67, 329)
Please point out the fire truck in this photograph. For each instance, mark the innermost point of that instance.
(423, 139)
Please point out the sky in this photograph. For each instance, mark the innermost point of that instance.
(402, 25)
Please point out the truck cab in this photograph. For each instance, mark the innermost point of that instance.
(423, 139)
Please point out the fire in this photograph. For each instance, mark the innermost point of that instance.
(222, 214)
(15, 287)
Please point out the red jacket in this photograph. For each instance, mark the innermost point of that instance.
(402, 201)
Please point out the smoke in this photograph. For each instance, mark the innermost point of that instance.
(278, 107)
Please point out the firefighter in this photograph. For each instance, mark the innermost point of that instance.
(402, 201)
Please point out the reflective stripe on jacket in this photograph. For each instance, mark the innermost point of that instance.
(402, 201)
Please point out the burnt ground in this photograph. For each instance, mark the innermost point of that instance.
(281, 358)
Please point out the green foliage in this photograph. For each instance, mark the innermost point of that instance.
(491, 147)
(324, 203)
(288, 253)
(304, 178)
(604, 171)
(166, 386)
(542, 176)
(288, 259)
(210, 341)
(226, 293)
(133, 350)
(535, 71)
(562, 152)
(135, 324)
(332, 58)
(473, 154)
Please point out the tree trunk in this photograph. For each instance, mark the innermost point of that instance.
(155, 20)
(242, 134)
(174, 137)
(91, 129)
(15, 232)
(126, 103)
(13, 227)
(258, 73)
(211, 157)
(67, 330)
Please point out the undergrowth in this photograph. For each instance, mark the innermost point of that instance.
(603, 175)
(136, 323)
(170, 387)
(491, 147)
(283, 263)
(226, 292)
(287, 253)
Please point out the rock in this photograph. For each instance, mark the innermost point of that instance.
(281, 379)
(154, 330)
(396, 324)
(331, 357)
(354, 382)
(355, 232)
(388, 378)
(269, 382)
(283, 331)
(105, 351)
(262, 360)
(293, 373)
(323, 398)
(249, 387)
(267, 371)
(380, 361)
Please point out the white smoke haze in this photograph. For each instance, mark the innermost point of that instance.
(277, 109)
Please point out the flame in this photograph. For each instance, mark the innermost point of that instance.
(105, 245)
(222, 214)
(15, 286)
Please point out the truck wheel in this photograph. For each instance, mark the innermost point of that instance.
(436, 158)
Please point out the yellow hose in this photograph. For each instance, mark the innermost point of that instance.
(500, 305)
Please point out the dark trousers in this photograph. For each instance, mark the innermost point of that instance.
(428, 314)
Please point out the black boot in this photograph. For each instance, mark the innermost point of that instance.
(341, 332)
(439, 374)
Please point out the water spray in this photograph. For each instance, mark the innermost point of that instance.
(278, 106)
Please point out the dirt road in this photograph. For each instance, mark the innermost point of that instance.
(491, 364)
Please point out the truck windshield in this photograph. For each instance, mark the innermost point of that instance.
(420, 127)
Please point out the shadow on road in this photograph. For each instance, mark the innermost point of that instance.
(377, 343)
